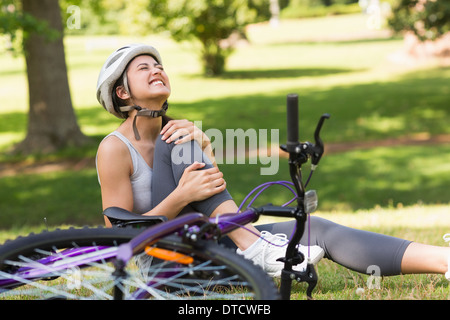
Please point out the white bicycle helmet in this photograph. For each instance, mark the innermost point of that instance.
(113, 70)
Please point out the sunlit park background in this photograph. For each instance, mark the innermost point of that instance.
(387, 161)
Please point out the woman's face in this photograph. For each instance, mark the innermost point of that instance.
(148, 82)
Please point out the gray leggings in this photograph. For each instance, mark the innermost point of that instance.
(355, 249)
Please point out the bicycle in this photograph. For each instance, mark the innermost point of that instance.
(150, 257)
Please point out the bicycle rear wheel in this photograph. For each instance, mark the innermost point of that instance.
(78, 264)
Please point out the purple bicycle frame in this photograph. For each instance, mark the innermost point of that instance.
(225, 223)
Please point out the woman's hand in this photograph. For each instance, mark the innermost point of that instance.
(198, 185)
(182, 131)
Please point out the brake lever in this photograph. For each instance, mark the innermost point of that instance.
(318, 148)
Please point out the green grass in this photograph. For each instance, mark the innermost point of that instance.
(420, 223)
(363, 179)
(357, 180)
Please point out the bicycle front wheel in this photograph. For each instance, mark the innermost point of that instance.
(78, 264)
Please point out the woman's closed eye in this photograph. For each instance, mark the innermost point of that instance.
(145, 66)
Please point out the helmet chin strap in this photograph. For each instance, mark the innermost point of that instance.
(142, 112)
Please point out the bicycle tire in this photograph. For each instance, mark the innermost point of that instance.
(193, 283)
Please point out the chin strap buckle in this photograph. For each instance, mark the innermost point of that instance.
(142, 112)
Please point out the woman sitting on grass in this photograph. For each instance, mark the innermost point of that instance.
(137, 172)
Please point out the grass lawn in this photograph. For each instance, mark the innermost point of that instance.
(425, 224)
(336, 65)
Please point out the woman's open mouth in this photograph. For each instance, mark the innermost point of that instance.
(157, 83)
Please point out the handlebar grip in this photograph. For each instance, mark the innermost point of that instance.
(276, 211)
(292, 121)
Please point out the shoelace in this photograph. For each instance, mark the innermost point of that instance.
(270, 240)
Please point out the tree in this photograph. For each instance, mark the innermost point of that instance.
(427, 19)
(211, 22)
(52, 123)
(425, 25)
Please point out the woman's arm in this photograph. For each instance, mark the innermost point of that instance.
(115, 167)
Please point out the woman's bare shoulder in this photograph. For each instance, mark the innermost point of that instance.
(112, 150)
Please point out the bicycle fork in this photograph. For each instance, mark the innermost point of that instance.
(298, 155)
(294, 257)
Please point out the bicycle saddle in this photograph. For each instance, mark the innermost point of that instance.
(121, 218)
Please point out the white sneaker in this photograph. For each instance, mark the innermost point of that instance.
(267, 249)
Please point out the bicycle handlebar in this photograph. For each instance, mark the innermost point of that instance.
(292, 122)
(293, 146)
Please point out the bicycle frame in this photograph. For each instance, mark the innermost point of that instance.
(195, 226)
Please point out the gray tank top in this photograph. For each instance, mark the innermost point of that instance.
(141, 178)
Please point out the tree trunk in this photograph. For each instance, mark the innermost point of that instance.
(52, 123)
